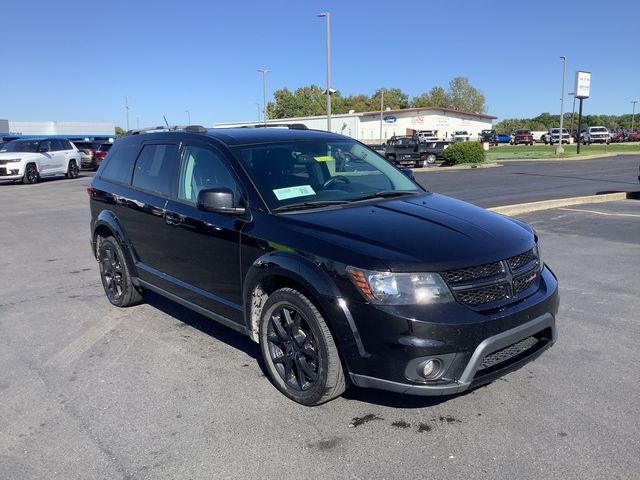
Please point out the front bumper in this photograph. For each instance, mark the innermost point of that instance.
(11, 171)
(394, 341)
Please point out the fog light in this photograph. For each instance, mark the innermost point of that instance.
(431, 368)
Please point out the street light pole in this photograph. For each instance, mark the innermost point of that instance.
(327, 17)
(258, 105)
(126, 109)
(264, 72)
(559, 149)
(633, 115)
(381, 111)
(188, 117)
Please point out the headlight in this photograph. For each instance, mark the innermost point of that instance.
(390, 288)
(538, 253)
(13, 160)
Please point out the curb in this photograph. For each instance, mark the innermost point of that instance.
(564, 159)
(466, 166)
(520, 208)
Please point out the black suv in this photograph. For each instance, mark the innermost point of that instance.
(357, 276)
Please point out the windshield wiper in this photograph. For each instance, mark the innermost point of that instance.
(387, 194)
(303, 205)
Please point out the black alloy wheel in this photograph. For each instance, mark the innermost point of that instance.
(293, 348)
(31, 174)
(298, 349)
(115, 276)
(72, 170)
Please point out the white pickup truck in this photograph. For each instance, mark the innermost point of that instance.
(596, 135)
(461, 136)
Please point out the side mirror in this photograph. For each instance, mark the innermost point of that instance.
(218, 200)
(408, 172)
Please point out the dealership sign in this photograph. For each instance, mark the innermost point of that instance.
(583, 84)
(390, 119)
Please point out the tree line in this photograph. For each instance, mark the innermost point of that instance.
(310, 100)
(544, 121)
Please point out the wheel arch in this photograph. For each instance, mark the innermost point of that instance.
(107, 224)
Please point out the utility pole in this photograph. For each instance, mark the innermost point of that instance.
(573, 112)
(559, 149)
(188, 117)
(126, 109)
(327, 17)
(381, 112)
(264, 72)
(633, 115)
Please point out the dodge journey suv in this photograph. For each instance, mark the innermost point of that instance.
(358, 276)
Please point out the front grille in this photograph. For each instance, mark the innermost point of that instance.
(3, 171)
(521, 260)
(495, 284)
(508, 353)
(478, 296)
(473, 273)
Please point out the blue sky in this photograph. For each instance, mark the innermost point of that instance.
(75, 59)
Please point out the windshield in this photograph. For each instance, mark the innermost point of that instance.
(598, 129)
(320, 171)
(26, 146)
(522, 132)
(403, 141)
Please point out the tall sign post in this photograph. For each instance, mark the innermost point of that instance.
(582, 90)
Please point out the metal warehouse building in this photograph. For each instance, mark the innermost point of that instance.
(12, 129)
(366, 126)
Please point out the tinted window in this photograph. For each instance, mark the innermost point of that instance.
(66, 145)
(119, 164)
(45, 145)
(56, 145)
(202, 168)
(20, 146)
(156, 169)
(105, 147)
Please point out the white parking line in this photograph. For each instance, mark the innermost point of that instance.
(601, 213)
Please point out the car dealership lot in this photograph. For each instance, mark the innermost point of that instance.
(157, 391)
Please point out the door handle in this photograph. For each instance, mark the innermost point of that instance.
(173, 219)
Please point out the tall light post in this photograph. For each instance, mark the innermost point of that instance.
(258, 105)
(188, 117)
(559, 149)
(327, 17)
(633, 115)
(381, 111)
(126, 109)
(264, 72)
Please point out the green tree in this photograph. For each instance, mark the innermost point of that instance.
(465, 97)
(394, 98)
(436, 97)
(120, 132)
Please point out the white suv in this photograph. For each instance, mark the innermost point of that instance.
(29, 160)
(597, 135)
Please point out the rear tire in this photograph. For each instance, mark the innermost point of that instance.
(72, 170)
(431, 158)
(298, 349)
(31, 174)
(115, 275)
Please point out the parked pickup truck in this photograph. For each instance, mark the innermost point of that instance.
(461, 136)
(489, 136)
(553, 136)
(522, 136)
(407, 150)
(596, 135)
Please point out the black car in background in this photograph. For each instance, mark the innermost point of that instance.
(489, 136)
(358, 276)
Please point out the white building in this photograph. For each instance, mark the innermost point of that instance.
(366, 126)
(11, 129)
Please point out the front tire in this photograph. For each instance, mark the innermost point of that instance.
(31, 174)
(298, 349)
(72, 170)
(431, 158)
(115, 275)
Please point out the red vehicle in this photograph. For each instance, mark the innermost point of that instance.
(100, 153)
(522, 136)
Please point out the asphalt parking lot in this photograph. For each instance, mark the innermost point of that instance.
(157, 391)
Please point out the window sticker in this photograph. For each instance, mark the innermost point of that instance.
(293, 192)
(326, 158)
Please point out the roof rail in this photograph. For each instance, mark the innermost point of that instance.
(290, 126)
(169, 128)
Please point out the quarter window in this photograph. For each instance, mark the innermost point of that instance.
(119, 165)
(202, 168)
(156, 169)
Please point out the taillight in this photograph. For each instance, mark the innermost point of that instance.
(91, 152)
(89, 190)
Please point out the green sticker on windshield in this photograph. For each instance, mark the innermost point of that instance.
(293, 192)
(326, 158)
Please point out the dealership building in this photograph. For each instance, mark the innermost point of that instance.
(366, 126)
(12, 129)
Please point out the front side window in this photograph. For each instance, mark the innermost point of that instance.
(320, 171)
(156, 169)
(202, 168)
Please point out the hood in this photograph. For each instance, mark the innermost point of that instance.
(428, 232)
(6, 155)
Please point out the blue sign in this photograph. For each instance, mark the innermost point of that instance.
(390, 119)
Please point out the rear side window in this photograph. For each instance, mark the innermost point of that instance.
(119, 164)
(156, 169)
(66, 145)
